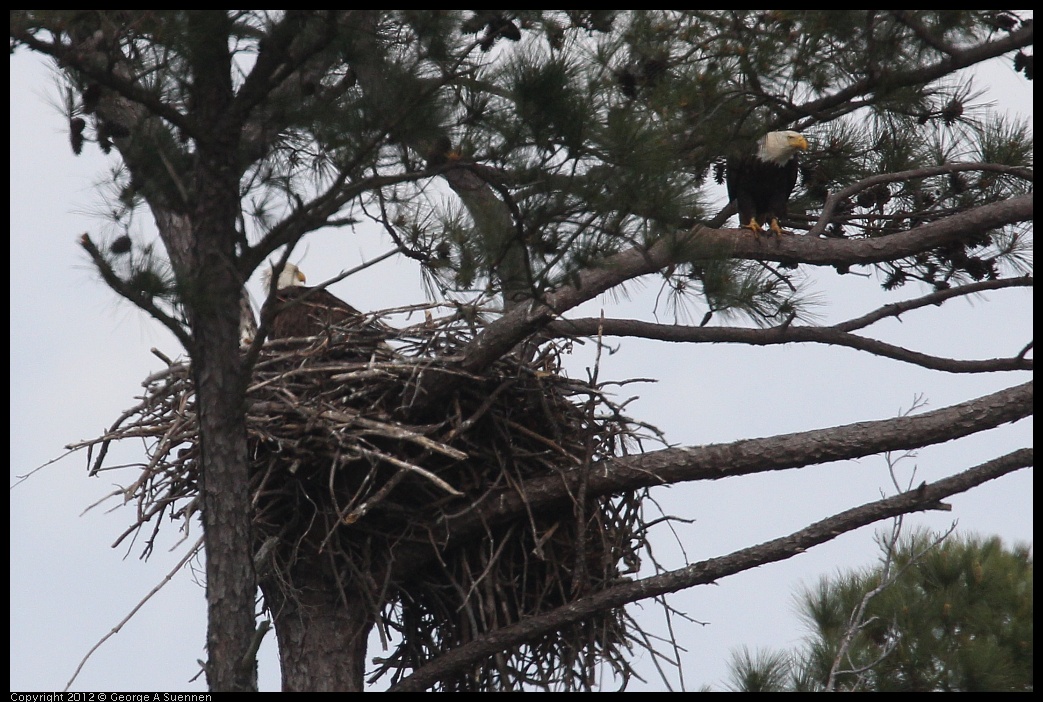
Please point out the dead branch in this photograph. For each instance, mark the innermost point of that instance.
(836, 335)
(712, 570)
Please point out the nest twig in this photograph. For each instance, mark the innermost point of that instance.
(338, 472)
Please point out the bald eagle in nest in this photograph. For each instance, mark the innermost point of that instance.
(301, 311)
(760, 183)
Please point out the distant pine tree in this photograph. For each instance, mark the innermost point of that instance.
(956, 618)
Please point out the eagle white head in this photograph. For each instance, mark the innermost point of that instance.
(779, 147)
(291, 276)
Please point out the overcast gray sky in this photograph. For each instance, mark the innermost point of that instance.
(78, 357)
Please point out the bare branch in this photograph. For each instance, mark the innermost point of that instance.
(316, 214)
(712, 570)
(116, 629)
(837, 334)
(749, 456)
(895, 309)
(786, 335)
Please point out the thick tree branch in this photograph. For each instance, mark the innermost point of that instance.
(590, 326)
(923, 33)
(927, 496)
(285, 52)
(749, 456)
(514, 327)
(285, 71)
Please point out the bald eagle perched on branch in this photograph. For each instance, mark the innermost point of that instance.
(760, 183)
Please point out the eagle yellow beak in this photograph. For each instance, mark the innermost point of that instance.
(799, 142)
(301, 277)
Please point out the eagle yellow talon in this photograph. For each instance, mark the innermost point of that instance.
(774, 226)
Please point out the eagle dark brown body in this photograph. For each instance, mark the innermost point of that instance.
(305, 311)
(760, 183)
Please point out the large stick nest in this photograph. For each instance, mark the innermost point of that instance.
(340, 477)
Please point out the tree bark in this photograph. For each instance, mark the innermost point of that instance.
(211, 290)
(322, 635)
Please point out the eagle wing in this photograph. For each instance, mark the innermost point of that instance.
(737, 178)
(787, 180)
(309, 312)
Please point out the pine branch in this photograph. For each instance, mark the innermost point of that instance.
(85, 57)
(835, 199)
(513, 328)
(837, 335)
(127, 292)
(826, 108)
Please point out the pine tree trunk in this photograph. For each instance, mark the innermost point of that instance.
(224, 483)
(322, 635)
